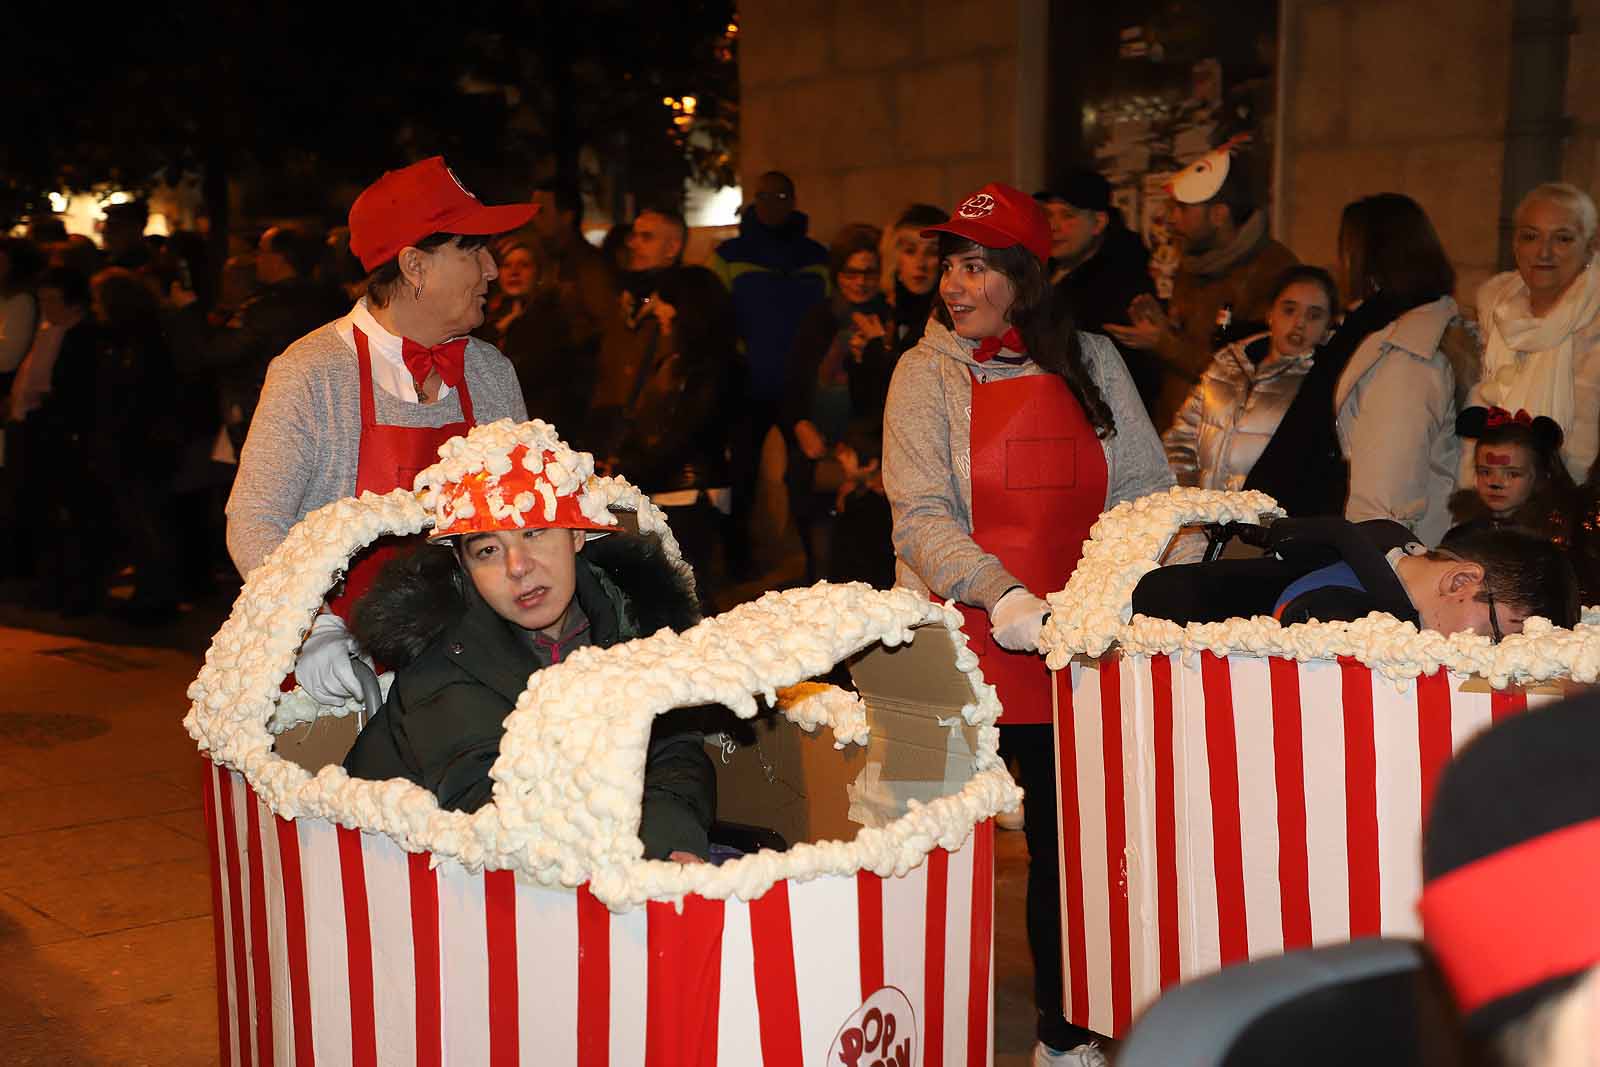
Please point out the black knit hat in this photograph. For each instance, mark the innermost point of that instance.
(1085, 190)
(1511, 863)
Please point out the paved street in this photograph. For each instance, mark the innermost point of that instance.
(105, 901)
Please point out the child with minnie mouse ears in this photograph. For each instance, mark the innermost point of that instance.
(1519, 478)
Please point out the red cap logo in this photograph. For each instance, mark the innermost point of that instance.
(976, 206)
(998, 216)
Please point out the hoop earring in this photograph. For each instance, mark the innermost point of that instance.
(418, 292)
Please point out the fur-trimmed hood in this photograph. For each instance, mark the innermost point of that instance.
(417, 597)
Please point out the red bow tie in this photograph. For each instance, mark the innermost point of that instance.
(990, 347)
(449, 359)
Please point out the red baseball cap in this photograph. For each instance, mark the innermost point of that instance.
(998, 216)
(406, 205)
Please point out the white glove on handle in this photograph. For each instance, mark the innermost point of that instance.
(323, 669)
(1016, 620)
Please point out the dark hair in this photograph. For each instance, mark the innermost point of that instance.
(72, 283)
(852, 238)
(132, 212)
(1390, 246)
(921, 215)
(24, 261)
(297, 248)
(1235, 193)
(1302, 273)
(568, 197)
(788, 182)
(1046, 328)
(385, 277)
(47, 229)
(1520, 570)
(126, 299)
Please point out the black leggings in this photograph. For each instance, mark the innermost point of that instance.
(1032, 746)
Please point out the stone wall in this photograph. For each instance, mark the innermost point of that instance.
(872, 106)
(1402, 96)
(1582, 164)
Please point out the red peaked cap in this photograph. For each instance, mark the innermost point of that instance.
(519, 499)
(406, 205)
(998, 216)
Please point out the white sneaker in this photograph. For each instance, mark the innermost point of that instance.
(1086, 1055)
(1009, 820)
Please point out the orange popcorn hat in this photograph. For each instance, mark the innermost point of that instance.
(537, 492)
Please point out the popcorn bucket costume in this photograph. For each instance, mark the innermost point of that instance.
(1234, 790)
(357, 922)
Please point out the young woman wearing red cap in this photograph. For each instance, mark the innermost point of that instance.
(1007, 433)
(364, 403)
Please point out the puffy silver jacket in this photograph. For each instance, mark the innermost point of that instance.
(1232, 413)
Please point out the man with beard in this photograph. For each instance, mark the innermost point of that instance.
(667, 371)
(1098, 266)
(1224, 282)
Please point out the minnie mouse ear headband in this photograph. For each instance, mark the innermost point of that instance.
(1497, 424)
(1202, 179)
(998, 216)
(1511, 863)
(511, 476)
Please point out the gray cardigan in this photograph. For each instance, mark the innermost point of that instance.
(305, 438)
(927, 467)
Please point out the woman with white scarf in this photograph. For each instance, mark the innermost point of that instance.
(1541, 322)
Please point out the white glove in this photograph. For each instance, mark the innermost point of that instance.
(1016, 620)
(323, 669)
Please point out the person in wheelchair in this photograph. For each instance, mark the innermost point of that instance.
(1330, 569)
(467, 617)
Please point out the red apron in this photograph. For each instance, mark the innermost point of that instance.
(390, 457)
(1038, 485)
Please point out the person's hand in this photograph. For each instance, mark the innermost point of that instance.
(179, 297)
(869, 326)
(810, 439)
(323, 669)
(663, 311)
(1017, 619)
(680, 856)
(865, 329)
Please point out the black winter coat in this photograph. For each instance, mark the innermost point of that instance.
(1100, 290)
(460, 668)
(1245, 588)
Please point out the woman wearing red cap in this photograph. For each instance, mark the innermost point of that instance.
(1007, 433)
(364, 403)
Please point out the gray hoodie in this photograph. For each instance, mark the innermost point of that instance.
(927, 467)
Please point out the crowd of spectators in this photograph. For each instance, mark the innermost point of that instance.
(873, 395)
(747, 395)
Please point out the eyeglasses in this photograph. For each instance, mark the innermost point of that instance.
(769, 195)
(1494, 623)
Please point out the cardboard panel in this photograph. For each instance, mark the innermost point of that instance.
(798, 784)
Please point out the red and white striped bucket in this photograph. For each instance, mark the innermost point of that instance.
(1219, 809)
(335, 946)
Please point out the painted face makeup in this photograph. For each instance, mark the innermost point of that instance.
(1504, 477)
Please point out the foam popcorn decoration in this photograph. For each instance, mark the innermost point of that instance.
(569, 777)
(1095, 611)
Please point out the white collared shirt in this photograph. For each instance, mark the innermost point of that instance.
(389, 371)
